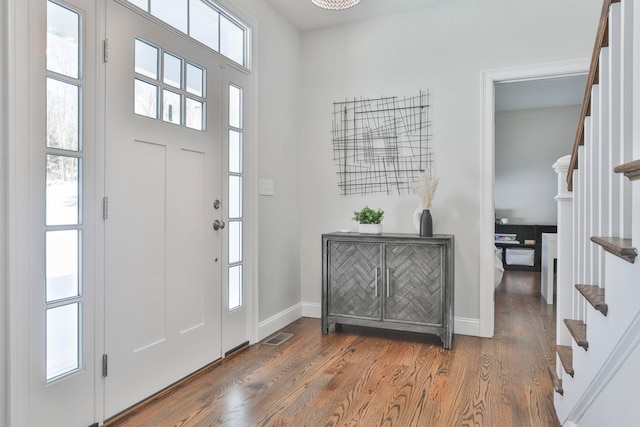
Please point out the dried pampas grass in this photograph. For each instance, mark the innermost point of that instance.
(426, 188)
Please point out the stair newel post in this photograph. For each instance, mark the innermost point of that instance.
(564, 275)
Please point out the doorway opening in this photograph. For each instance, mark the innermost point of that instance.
(533, 73)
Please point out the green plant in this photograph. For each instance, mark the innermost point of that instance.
(367, 215)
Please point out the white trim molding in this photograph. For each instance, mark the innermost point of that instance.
(466, 326)
(311, 309)
(4, 226)
(487, 214)
(462, 325)
(279, 321)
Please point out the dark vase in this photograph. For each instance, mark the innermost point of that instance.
(426, 224)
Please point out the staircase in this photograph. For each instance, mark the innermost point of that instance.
(597, 370)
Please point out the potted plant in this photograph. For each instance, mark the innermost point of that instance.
(369, 220)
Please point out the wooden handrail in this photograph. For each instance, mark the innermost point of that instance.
(602, 40)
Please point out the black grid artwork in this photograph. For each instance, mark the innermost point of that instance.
(382, 145)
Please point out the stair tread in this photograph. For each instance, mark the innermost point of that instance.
(578, 330)
(631, 170)
(618, 246)
(557, 382)
(595, 295)
(565, 353)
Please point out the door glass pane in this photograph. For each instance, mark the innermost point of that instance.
(231, 40)
(235, 105)
(235, 287)
(235, 152)
(235, 242)
(235, 196)
(172, 70)
(62, 340)
(203, 24)
(194, 80)
(173, 12)
(146, 59)
(62, 190)
(63, 26)
(146, 99)
(195, 112)
(171, 111)
(62, 263)
(62, 115)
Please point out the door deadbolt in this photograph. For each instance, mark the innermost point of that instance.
(218, 225)
(216, 204)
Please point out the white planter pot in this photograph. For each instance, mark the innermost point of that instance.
(370, 228)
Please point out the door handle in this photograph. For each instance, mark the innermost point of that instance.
(388, 283)
(218, 225)
(376, 280)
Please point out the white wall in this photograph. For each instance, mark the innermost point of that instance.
(277, 63)
(527, 143)
(444, 49)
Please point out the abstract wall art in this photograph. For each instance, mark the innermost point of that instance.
(382, 145)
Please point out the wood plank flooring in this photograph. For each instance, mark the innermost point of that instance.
(365, 377)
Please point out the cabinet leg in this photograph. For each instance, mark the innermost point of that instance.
(324, 327)
(447, 341)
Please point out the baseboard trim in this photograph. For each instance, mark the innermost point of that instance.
(279, 321)
(462, 325)
(311, 309)
(466, 326)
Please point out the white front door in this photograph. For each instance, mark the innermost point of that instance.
(163, 176)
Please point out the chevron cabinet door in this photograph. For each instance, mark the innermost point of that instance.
(354, 278)
(415, 284)
(392, 281)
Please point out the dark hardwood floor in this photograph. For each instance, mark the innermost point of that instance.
(365, 377)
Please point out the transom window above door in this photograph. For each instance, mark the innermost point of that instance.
(169, 87)
(204, 21)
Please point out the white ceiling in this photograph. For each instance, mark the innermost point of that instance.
(555, 92)
(304, 15)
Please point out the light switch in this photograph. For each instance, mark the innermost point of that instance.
(265, 187)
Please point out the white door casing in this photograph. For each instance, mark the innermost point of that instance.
(487, 183)
(162, 255)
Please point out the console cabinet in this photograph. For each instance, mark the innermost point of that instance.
(392, 281)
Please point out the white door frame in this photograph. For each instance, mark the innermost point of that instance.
(487, 208)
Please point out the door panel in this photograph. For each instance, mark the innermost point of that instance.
(162, 256)
(415, 284)
(354, 279)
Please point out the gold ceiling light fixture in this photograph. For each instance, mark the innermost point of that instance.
(335, 4)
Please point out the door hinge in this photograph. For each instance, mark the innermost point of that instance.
(105, 208)
(104, 365)
(105, 50)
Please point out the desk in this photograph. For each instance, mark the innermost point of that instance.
(549, 253)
